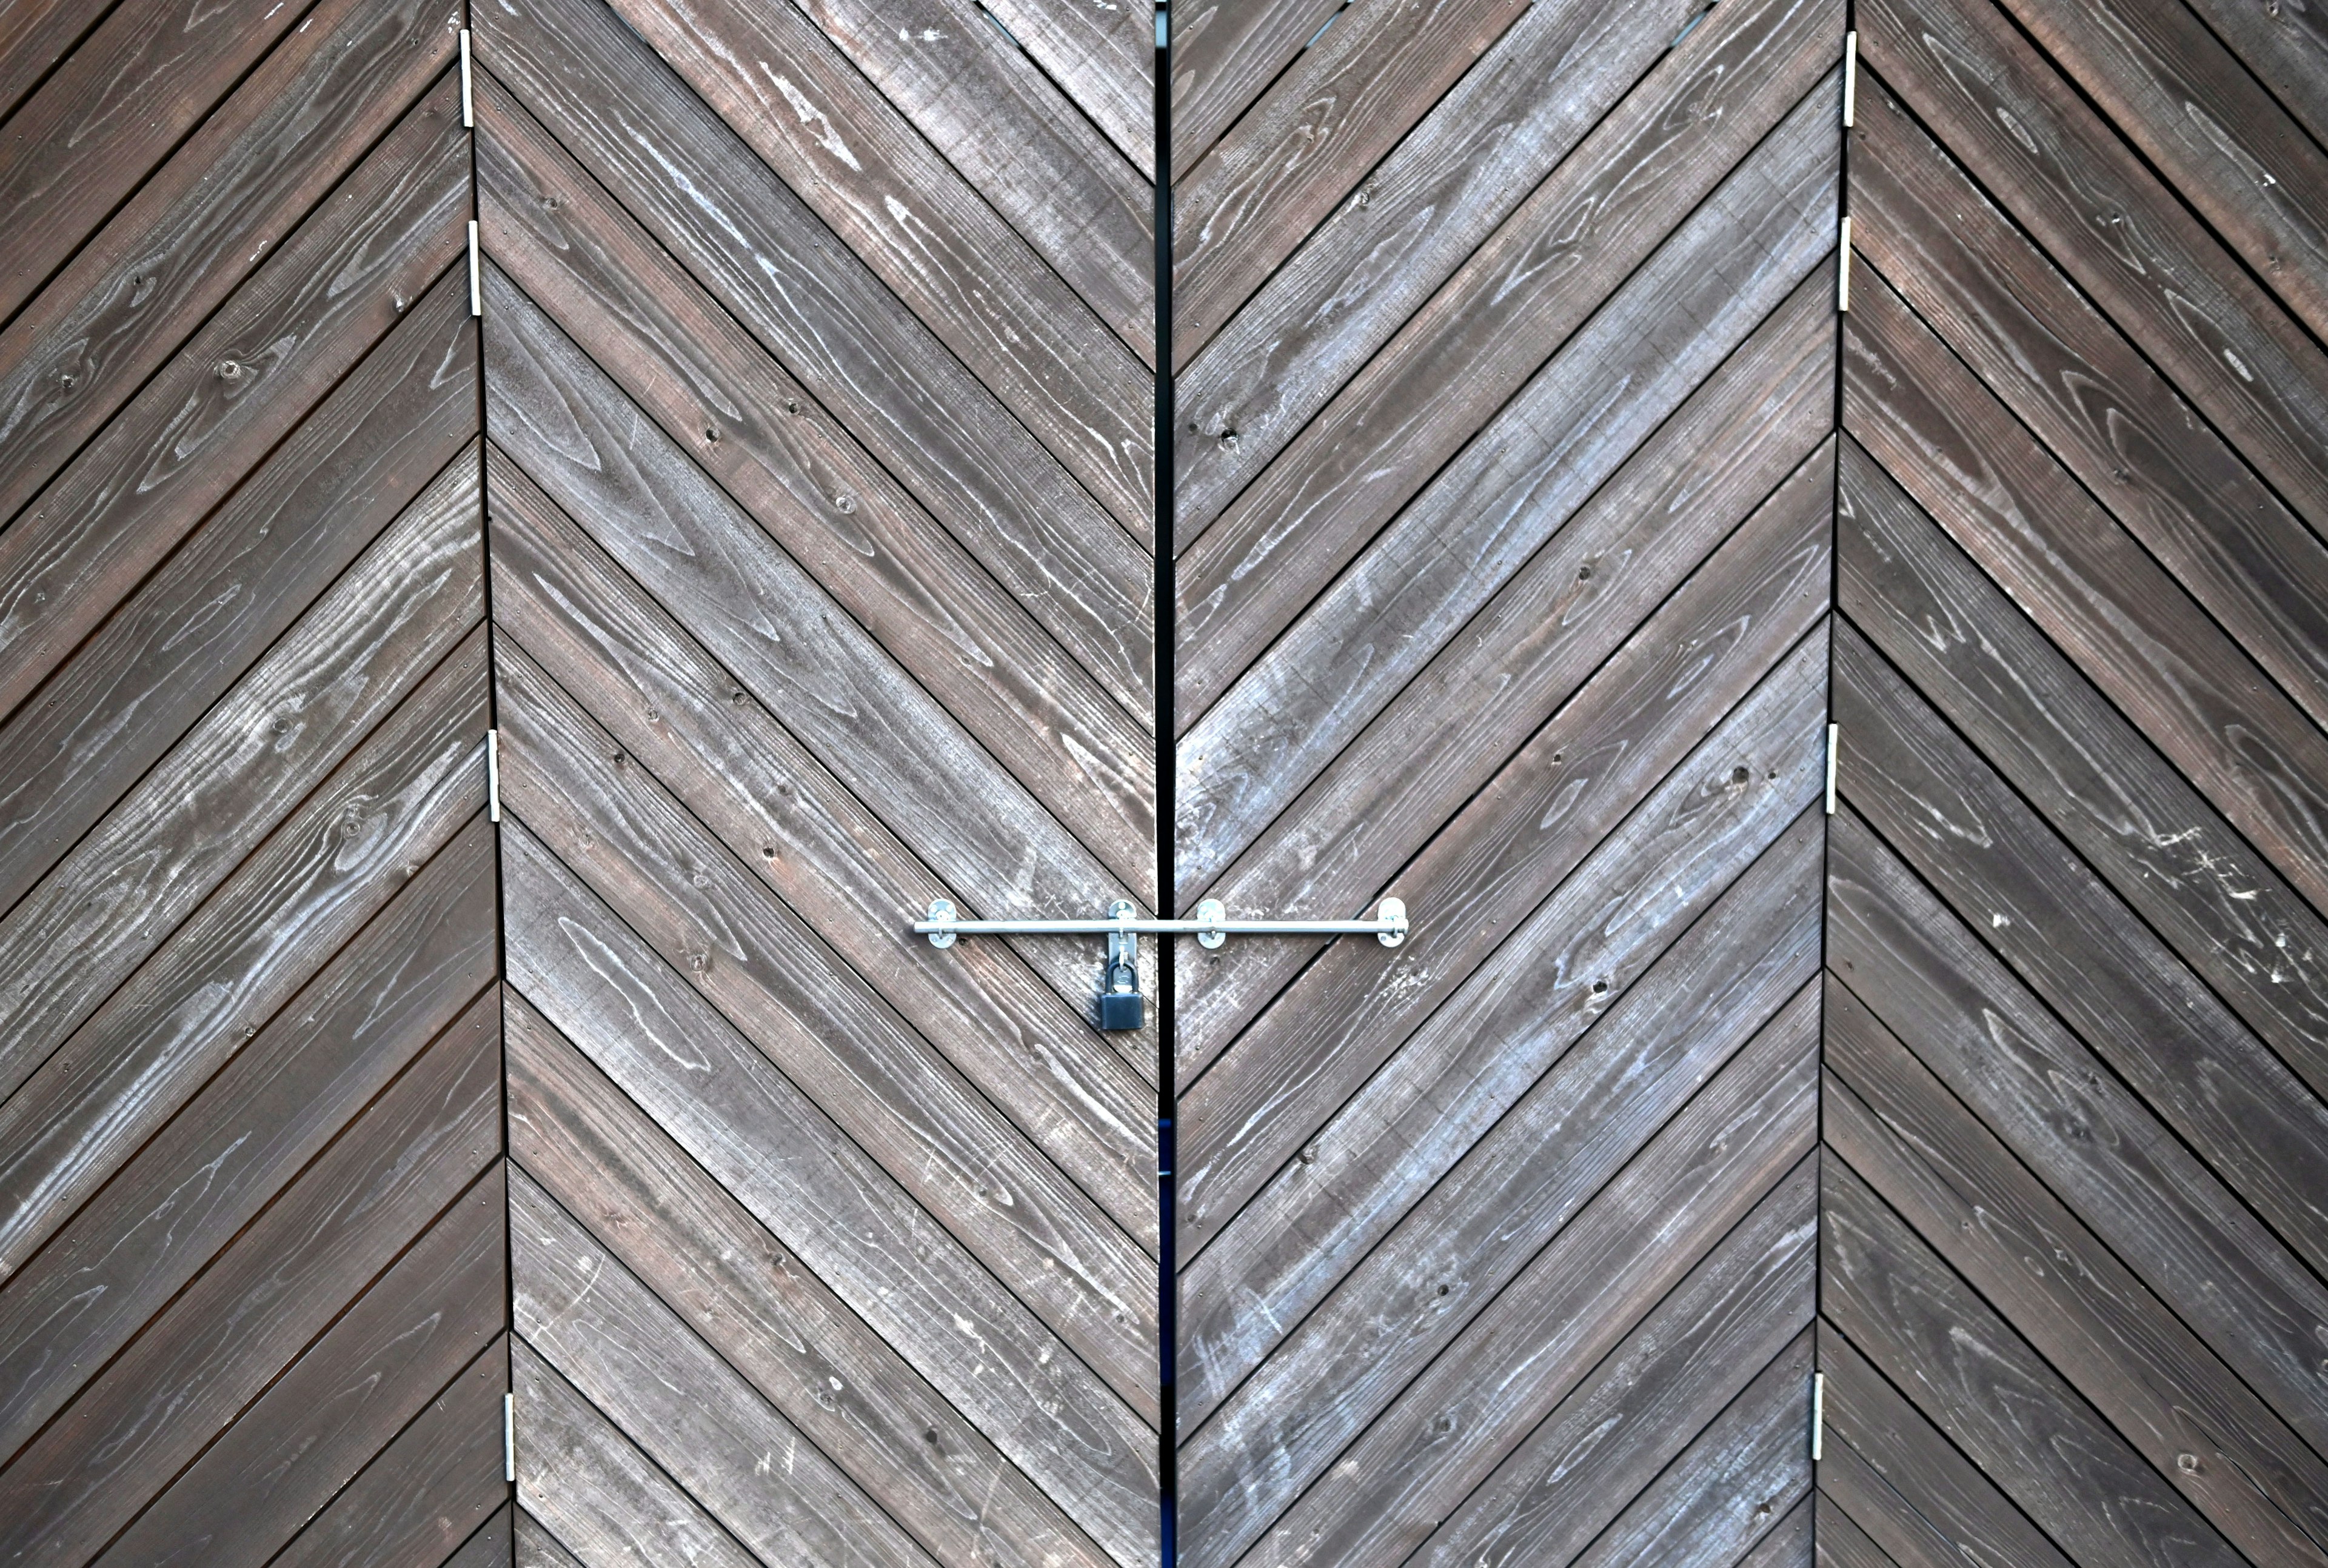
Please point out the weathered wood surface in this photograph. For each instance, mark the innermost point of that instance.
(702, 1253)
(182, 246)
(817, 379)
(1349, 97)
(2076, 1116)
(251, 1219)
(323, 298)
(1505, 397)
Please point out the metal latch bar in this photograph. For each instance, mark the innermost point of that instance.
(1211, 927)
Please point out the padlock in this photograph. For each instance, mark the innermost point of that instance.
(1121, 1005)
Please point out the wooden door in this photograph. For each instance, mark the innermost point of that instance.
(818, 469)
(252, 1295)
(1504, 344)
(2075, 1294)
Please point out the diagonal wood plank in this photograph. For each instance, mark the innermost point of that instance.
(990, 110)
(183, 639)
(2054, 1105)
(779, 1326)
(2063, 174)
(1298, 151)
(1982, 1209)
(671, 1392)
(342, 279)
(1638, 1409)
(901, 208)
(1357, 278)
(1514, 470)
(649, 506)
(737, 769)
(1101, 57)
(2114, 610)
(2098, 782)
(2111, 419)
(1581, 600)
(2003, 871)
(149, 73)
(192, 234)
(1982, 1384)
(288, 1456)
(849, 1222)
(2209, 127)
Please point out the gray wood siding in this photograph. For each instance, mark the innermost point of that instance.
(1506, 361)
(2074, 1192)
(818, 381)
(253, 1300)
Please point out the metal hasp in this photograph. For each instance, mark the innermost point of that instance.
(1121, 1005)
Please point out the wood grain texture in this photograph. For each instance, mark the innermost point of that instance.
(1447, 1098)
(696, 728)
(181, 641)
(622, 113)
(191, 236)
(1370, 266)
(1513, 477)
(438, 1308)
(2008, 875)
(901, 208)
(253, 757)
(279, 343)
(1301, 148)
(848, 1221)
(1641, 1407)
(956, 1106)
(244, 953)
(1744, 1476)
(2057, 1107)
(905, 1102)
(2160, 1386)
(1842, 1543)
(437, 1483)
(2126, 240)
(1493, 868)
(1223, 57)
(1019, 141)
(590, 1486)
(2098, 782)
(2111, 420)
(259, 1121)
(712, 388)
(410, 1158)
(691, 1413)
(150, 73)
(33, 37)
(1104, 57)
(492, 1545)
(2211, 129)
(2128, 626)
(687, 543)
(536, 1547)
(1907, 1486)
(734, 1283)
(2286, 48)
(1479, 707)
(1701, 1174)
(1981, 1383)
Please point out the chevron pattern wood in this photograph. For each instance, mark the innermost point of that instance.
(817, 383)
(2072, 1231)
(253, 1304)
(1505, 478)
(1850, 730)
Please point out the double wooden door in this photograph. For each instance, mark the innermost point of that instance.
(537, 538)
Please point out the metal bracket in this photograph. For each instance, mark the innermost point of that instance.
(1211, 928)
